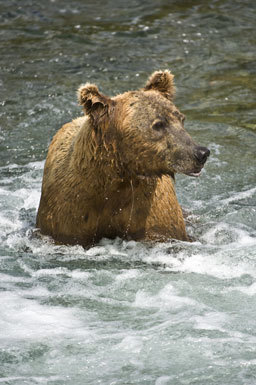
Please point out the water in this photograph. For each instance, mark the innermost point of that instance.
(125, 312)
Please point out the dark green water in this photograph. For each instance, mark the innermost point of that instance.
(124, 312)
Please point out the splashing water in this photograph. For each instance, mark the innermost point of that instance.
(122, 312)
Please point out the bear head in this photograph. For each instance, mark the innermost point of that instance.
(144, 129)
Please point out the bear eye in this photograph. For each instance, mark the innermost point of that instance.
(159, 126)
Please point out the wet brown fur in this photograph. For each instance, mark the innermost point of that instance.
(111, 172)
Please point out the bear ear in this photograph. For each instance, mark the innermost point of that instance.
(93, 102)
(161, 81)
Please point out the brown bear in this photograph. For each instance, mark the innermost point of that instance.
(111, 172)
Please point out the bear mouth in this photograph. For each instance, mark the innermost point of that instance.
(194, 174)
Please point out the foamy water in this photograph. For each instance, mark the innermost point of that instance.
(129, 313)
(163, 313)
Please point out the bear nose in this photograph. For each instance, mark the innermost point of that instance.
(201, 154)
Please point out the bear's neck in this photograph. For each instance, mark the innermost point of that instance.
(97, 162)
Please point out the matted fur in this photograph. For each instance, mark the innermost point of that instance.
(111, 172)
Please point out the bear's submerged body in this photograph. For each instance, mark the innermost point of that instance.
(110, 173)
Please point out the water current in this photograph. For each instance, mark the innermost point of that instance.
(124, 312)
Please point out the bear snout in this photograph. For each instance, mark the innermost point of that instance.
(201, 154)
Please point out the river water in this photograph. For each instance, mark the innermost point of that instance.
(126, 312)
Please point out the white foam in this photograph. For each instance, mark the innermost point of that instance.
(8, 225)
(23, 318)
(131, 344)
(80, 275)
(50, 272)
(38, 165)
(28, 379)
(77, 275)
(236, 196)
(128, 275)
(211, 321)
(166, 298)
(249, 290)
(163, 380)
(229, 235)
(216, 265)
(8, 281)
(31, 200)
